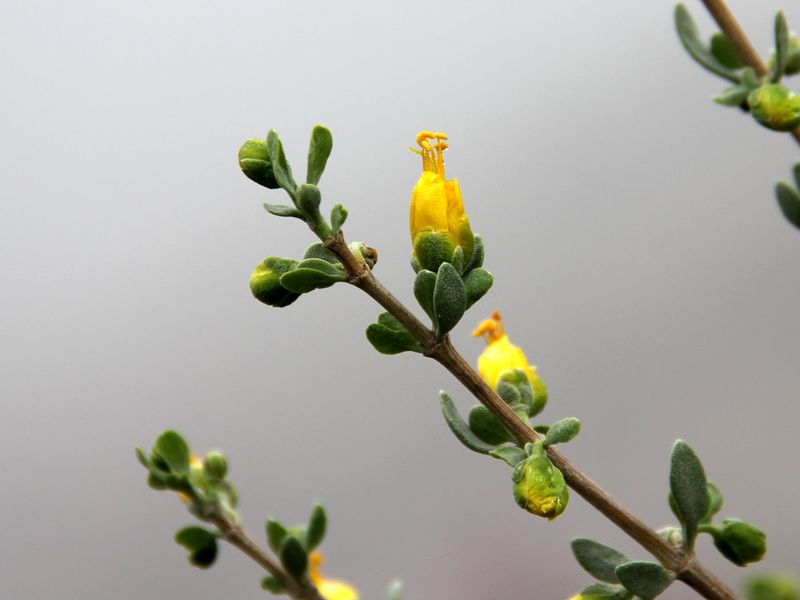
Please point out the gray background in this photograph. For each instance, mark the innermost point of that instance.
(639, 255)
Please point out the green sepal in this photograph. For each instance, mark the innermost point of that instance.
(432, 249)
(317, 526)
(599, 560)
(562, 431)
(738, 541)
(725, 52)
(319, 250)
(338, 217)
(312, 274)
(449, 299)
(510, 454)
(255, 163)
(389, 336)
(273, 585)
(459, 428)
(201, 544)
(690, 38)
(458, 259)
(645, 579)
(687, 482)
(280, 167)
(395, 590)
(424, 285)
(282, 210)
(604, 591)
(781, 46)
(294, 557)
(487, 427)
(265, 283)
(173, 449)
(477, 282)
(476, 260)
(789, 202)
(276, 533)
(319, 149)
(508, 392)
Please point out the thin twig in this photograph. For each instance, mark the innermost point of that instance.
(686, 567)
(741, 43)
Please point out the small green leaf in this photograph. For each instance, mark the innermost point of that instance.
(508, 392)
(276, 533)
(319, 149)
(458, 259)
(395, 590)
(645, 579)
(488, 427)
(477, 282)
(308, 200)
(449, 299)
(388, 336)
(338, 217)
(294, 557)
(255, 164)
(510, 454)
(174, 450)
(599, 560)
(735, 96)
(201, 544)
(789, 202)
(687, 482)
(281, 210)
(724, 51)
(280, 167)
(142, 458)
(273, 585)
(460, 428)
(781, 46)
(424, 285)
(603, 591)
(714, 502)
(476, 260)
(311, 274)
(319, 250)
(317, 526)
(562, 431)
(690, 38)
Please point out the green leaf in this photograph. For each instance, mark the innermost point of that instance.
(280, 167)
(510, 454)
(690, 38)
(319, 250)
(645, 579)
(476, 260)
(201, 544)
(735, 95)
(338, 217)
(796, 173)
(449, 299)
(724, 51)
(789, 201)
(317, 526)
(281, 210)
(603, 591)
(273, 585)
(599, 560)
(174, 450)
(312, 274)
(276, 533)
(424, 285)
(294, 557)
(488, 427)
(395, 590)
(687, 482)
(781, 46)
(460, 428)
(477, 282)
(319, 149)
(141, 456)
(255, 164)
(308, 200)
(562, 431)
(388, 336)
(714, 502)
(458, 259)
(508, 392)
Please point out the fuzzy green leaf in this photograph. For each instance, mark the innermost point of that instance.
(338, 217)
(459, 428)
(308, 200)
(603, 591)
(687, 482)
(319, 149)
(449, 299)
(280, 167)
(724, 51)
(255, 164)
(562, 431)
(312, 274)
(276, 533)
(690, 38)
(174, 450)
(317, 526)
(201, 544)
(388, 336)
(273, 585)
(645, 579)
(714, 502)
(319, 250)
(599, 560)
(281, 210)
(294, 557)
(789, 201)
(424, 285)
(476, 260)
(735, 95)
(477, 282)
(781, 46)
(510, 454)
(488, 427)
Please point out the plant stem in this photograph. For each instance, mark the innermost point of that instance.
(744, 49)
(235, 536)
(685, 566)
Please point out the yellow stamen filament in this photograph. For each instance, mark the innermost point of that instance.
(432, 153)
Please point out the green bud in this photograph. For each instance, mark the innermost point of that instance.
(308, 201)
(364, 253)
(539, 487)
(265, 282)
(740, 542)
(215, 465)
(775, 107)
(255, 164)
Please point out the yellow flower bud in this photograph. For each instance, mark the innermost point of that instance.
(539, 486)
(437, 218)
(775, 107)
(330, 589)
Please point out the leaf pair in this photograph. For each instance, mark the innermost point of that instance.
(294, 545)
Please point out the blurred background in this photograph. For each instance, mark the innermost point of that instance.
(639, 255)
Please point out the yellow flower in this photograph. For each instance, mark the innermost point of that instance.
(500, 355)
(437, 218)
(330, 589)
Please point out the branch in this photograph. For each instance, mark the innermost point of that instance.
(686, 567)
(744, 49)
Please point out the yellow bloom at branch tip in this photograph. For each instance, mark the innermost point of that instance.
(500, 355)
(438, 222)
(330, 589)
